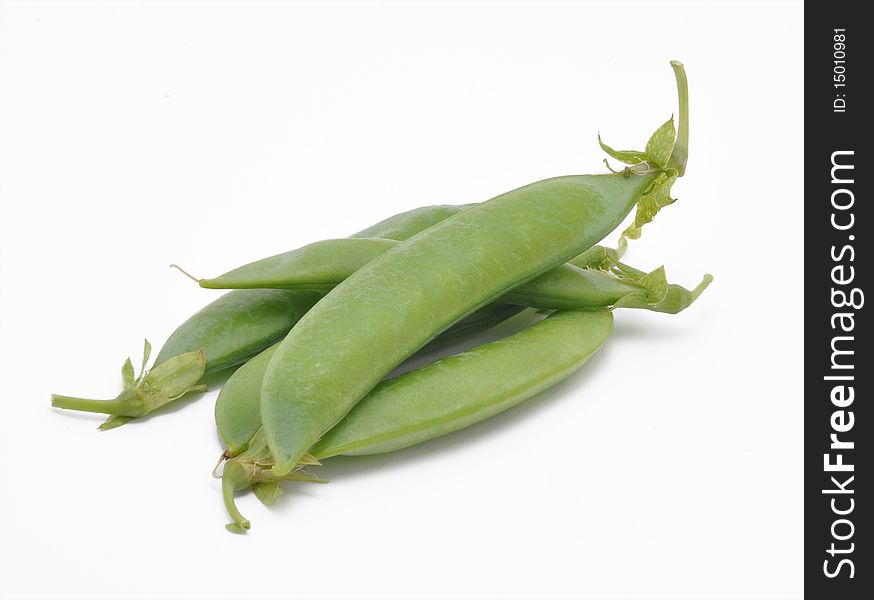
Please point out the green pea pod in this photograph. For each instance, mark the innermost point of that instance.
(238, 325)
(387, 310)
(442, 397)
(323, 265)
(582, 282)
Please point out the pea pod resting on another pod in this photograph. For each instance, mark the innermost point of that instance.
(321, 266)
(437, 399)
(237, 410)
(402, 299)
(229, 331)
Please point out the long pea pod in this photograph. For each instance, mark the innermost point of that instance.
(444, 396)
(385, 311)
(321, 266)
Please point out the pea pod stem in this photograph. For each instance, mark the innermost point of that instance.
(251, 470)
(680, 152)
(141, 395)
(234, 478)
(126, 402)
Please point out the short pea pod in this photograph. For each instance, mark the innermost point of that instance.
(444, 396)
(403, 298)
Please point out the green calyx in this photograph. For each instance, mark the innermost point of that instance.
(660, 296)
(656, 294)
(666, 153)
(145, 393)
(254, 469)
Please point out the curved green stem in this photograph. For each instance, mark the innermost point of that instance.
(680, 153)
(234, 478)
(679, 298)
(252, 469)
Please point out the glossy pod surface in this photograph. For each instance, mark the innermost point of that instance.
(386, 311)
(238, 325)
(460, 390)
(238, 410)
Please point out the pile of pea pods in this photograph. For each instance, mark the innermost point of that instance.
(310, 336)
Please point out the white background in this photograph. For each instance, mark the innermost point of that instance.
(139, 134)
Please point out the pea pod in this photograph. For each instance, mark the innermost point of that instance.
(323, 265)
(388, 309)
(238, 325)
(442, 397)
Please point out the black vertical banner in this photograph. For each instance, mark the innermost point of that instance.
(838, 369)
